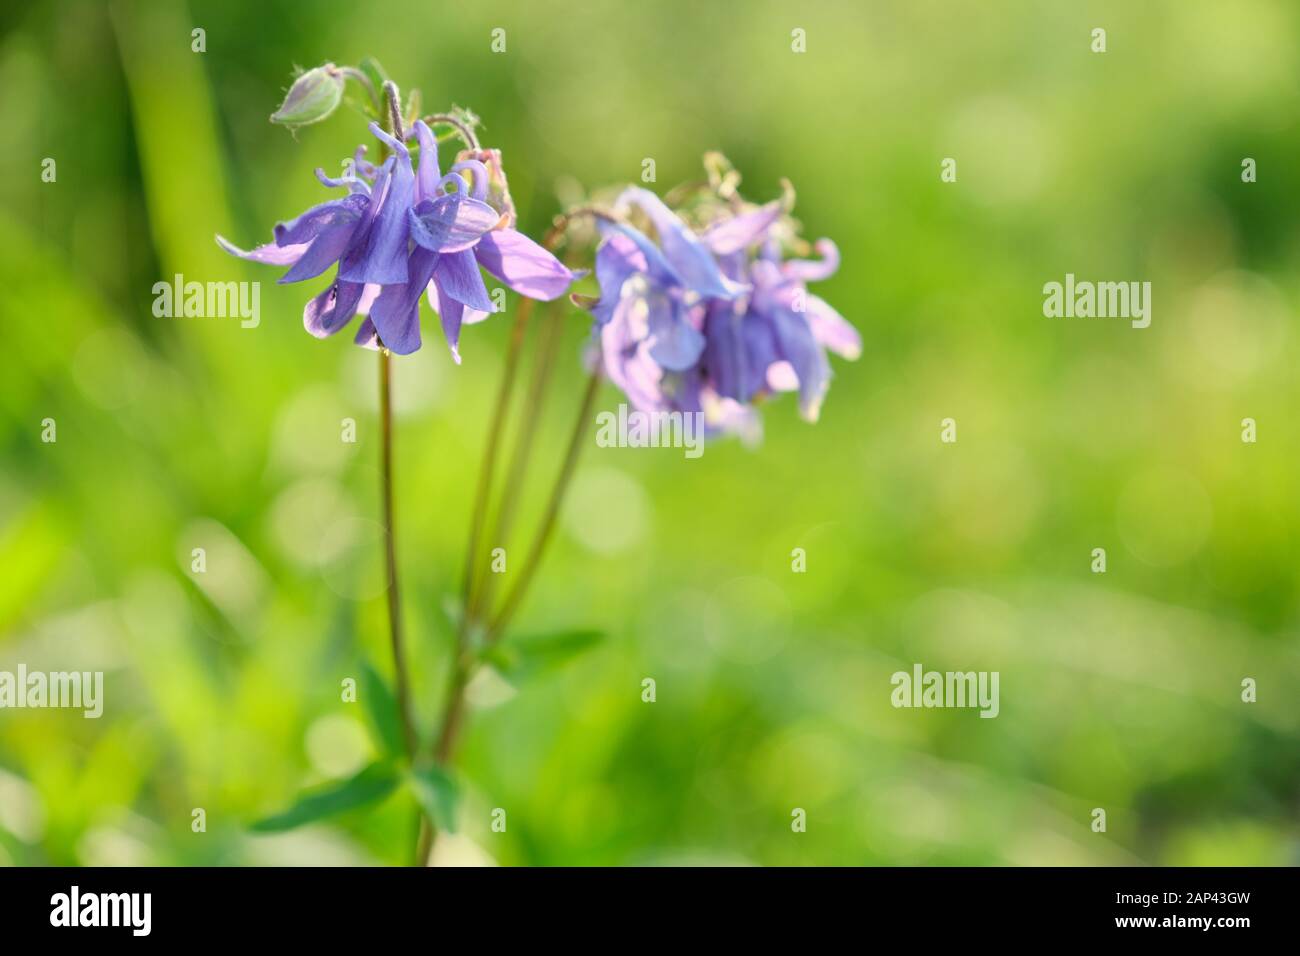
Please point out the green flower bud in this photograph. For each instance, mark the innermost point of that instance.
(313, 97)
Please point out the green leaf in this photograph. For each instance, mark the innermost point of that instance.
(314, 96)
(369, 786)
(381, 705)
(437, 794)
(523, 657)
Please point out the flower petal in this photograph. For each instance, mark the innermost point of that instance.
(457, 275)
(330, 311)
(831, 329)
(740, 232)
(269, 254)
(316, 220)
(451, 314)
(795, 344)
(396, 312)
(385, 246)
(325, 250)
(523, 265)
(451, 223)
(617, 259)
(725, 355)
(674, 343)
(689, 256)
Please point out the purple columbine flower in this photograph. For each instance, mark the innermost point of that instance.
(713, 322)
(651, 308)
(401, 231)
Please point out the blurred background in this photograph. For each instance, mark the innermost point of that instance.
(1119, 690)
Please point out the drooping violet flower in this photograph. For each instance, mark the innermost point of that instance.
(401, 231)
(651, 308)
(715, 321)
(777, 340)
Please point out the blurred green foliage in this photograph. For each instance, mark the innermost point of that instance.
(1119, 691)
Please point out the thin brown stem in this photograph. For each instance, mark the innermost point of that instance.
(466, 133)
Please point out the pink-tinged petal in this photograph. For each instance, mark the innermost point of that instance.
(269, 254)
(523, 265)
(333, 309)
(457, 276)
(810, 270)
(451, 223)
(741, 232)
(428, 174)
(831, 329)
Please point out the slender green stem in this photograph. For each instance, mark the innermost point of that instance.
(487, 470)
(390, 553)
(515, 596)
(454, 706)
(354, 74)
(548, 345)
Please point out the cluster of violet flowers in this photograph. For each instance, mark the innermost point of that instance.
(712, 321)
(701, 309)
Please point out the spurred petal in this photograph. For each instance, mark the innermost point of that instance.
(451, 223)
(809, 270)
(523, 265)
(457, 275)
(428, 174)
